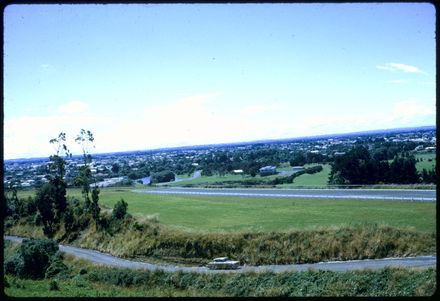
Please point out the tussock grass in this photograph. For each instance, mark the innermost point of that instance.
(147, 238)
(25, 229)
(360, 241)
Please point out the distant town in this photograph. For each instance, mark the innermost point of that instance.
(126, 168)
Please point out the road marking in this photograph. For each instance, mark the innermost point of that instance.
(214, 193)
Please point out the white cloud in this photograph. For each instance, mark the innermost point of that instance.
(411, 109)
(29, 136)
(199, 120)
(399, 67)
(398, 81)
(404, 113)
(73, 107)
(381, 67)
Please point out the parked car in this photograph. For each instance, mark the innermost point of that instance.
(223, 263)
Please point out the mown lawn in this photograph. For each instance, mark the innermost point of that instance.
(274, 214)
(214, 213)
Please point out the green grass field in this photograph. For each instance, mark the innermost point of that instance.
(205, 180)
(273, 214)
(317, 179)
(428, 165)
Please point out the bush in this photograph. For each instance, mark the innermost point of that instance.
(314, 169)
(53, 286)
(120, 209)
(8, 223)
(163, 176)
(57, 267)
(38, 221)
(33, 258)
(13, 264)
(6, 283)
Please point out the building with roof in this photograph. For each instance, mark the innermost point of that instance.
(268, 170)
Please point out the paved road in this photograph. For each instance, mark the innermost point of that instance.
(361, 194)
(337, 266)
(196, 174)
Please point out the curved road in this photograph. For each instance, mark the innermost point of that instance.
(196, 175)
(360, 194)
(337, 266)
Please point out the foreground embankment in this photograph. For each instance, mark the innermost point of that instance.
(336, 266)
(152, 241)
(305, 246)
(77, 277)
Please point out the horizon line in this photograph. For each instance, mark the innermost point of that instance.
(263, 140)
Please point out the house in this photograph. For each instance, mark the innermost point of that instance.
(339, 153)
(297, 168)
(268, 170)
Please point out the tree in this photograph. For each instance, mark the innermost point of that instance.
(298, 159)
(85, 139)
(355, 167)
(45, 201)
(51, 197)
(115, 168)
(58, 171)
(403, 170)
(95, 206)
(12, 203)
(163, 176)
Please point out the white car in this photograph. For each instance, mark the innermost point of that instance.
(223, 263)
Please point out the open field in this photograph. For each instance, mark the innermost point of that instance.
(206, 180)
(317, 179)
(207, 213)
(425, 164)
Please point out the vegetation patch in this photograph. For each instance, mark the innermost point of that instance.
(82, 279)
(258, 248)
(112, 282)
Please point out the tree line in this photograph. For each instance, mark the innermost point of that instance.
(51, 208)
(358, 166)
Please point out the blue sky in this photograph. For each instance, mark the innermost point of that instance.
(160, 75)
